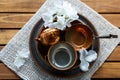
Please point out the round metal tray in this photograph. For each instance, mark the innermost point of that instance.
(39, 52)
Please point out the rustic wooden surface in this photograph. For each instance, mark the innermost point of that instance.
(15, 13)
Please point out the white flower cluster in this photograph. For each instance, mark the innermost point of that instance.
(86, 57)
(21, 57)
(60, 16)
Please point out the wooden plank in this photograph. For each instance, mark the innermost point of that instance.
(6, 35)
(6, 73)
(13, 20)
(108, 70)
(102, 6)
(1, 47)
(18, 20)
(20, 5)
(113, 18)
(115, 56)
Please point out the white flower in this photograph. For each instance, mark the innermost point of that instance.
(92, 55)
(86, 57)
(21, 57)
(60, 16)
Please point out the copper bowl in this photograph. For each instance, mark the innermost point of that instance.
(79, 36)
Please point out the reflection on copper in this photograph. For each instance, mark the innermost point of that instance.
(49, 36)
(79, 36)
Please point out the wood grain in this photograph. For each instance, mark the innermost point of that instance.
(9, 20)
(6, 35)
(113, 19)
(115, 56)
(13, 20)
(6, 73)
(108, 70)
(20, 5)
(102, 6)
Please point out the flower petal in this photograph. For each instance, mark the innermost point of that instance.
(65, 15)
(68, 24)
(84, 65)
(83, 52)
(61, 20)
(92, 55)
(19, 62)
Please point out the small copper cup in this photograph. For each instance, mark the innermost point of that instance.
(49, 36)
(62, 56)
(79, 36)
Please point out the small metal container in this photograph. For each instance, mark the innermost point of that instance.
(62, 56)
(49, 36)
(79, 36)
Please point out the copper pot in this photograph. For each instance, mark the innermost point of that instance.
(49, 36)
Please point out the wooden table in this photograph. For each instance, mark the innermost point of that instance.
(15, 13)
